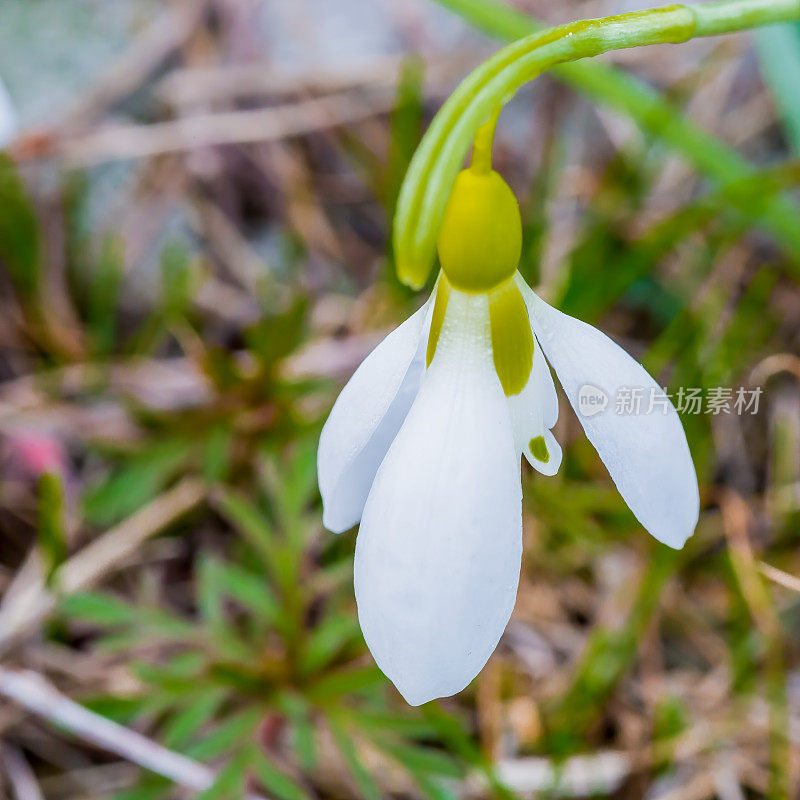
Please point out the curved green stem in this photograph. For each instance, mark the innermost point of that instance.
(433, 169)
(484, 140)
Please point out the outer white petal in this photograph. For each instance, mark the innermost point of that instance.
(438, 552)
(645, 453)
(365, 419)
(533, 412)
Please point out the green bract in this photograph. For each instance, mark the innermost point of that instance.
(433, 169)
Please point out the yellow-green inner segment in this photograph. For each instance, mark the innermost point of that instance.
(512, 339)
(539, 450)
(437, 319)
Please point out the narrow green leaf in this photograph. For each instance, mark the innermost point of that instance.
(98, 608)
(347, 747)
(176, 280)
(20, 236)
(51, 529)
(137, 482)
(251, 523)
(344, 681)
(276, 782)
(105, 283)
(249, 590)
(277, 335)
(300, 714)
(186, 724)
(216, 458)
(211, 591)
(411, 726)
(149, 788)
(297, 484)
(236, 729)
(105, 610)
(230, 781)
(119, 708)
(779, 53)
(327, 641)
(433, 788)
(421, 760)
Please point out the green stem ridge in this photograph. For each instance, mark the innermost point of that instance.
(441, 153)
(484, 140)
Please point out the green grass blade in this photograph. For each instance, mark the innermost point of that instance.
(347, 747)
(276, 782)
(52, 530)
(607, 655)
(779, 53)
(20, 235)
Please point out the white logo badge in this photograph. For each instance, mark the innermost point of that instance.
(591, 400)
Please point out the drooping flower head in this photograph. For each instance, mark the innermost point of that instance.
(423, 446)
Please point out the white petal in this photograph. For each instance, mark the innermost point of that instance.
(545, 387)
(533, 412)
(439, 547)
(365, 419)
(645, 453)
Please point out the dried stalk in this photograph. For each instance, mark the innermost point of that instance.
(20, 775)
(35, 694)
(115, 142)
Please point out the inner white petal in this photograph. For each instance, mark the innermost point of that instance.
(534, 411)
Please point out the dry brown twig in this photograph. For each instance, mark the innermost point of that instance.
(774, 364)
(19, 773)
(207, 84)
(779, 576)
(113, 142)
(35, 694)
(161, 37)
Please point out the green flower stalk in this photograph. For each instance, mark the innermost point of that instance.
(433, 169)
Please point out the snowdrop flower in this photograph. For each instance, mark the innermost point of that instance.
(423, 446)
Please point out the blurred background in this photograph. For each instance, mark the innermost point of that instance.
(195, 206)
